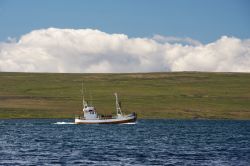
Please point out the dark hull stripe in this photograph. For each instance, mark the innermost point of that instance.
(116, 122)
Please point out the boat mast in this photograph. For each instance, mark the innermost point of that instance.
(91, 99)
(118, 108)
(84, 103)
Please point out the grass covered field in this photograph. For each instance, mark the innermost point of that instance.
(175, 95)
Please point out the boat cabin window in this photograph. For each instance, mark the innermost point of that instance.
(91, 112)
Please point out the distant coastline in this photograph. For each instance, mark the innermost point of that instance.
(161, 95)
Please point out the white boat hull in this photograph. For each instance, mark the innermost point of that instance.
(125, 119)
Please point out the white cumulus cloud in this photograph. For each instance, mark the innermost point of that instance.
(88, 50)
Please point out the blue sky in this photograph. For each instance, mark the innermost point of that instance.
(203, 20)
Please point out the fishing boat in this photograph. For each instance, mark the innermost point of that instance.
(90, 115)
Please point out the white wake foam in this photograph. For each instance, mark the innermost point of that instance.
(130, 123)
(60, 123)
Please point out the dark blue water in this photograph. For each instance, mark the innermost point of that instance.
(148, 142)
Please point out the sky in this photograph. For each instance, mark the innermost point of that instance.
(124, 35)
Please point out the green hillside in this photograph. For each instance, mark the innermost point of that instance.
(152, 95)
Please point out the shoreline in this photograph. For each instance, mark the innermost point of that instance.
(167, 95)
(194, 119)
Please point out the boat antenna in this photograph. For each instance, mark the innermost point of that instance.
(91, 99)
(83, 102)
(117, 104)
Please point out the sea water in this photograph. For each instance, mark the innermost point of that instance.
(147, 142)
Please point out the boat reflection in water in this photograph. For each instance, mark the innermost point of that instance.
(90, 115)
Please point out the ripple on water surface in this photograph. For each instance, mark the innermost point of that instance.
(147, 142)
